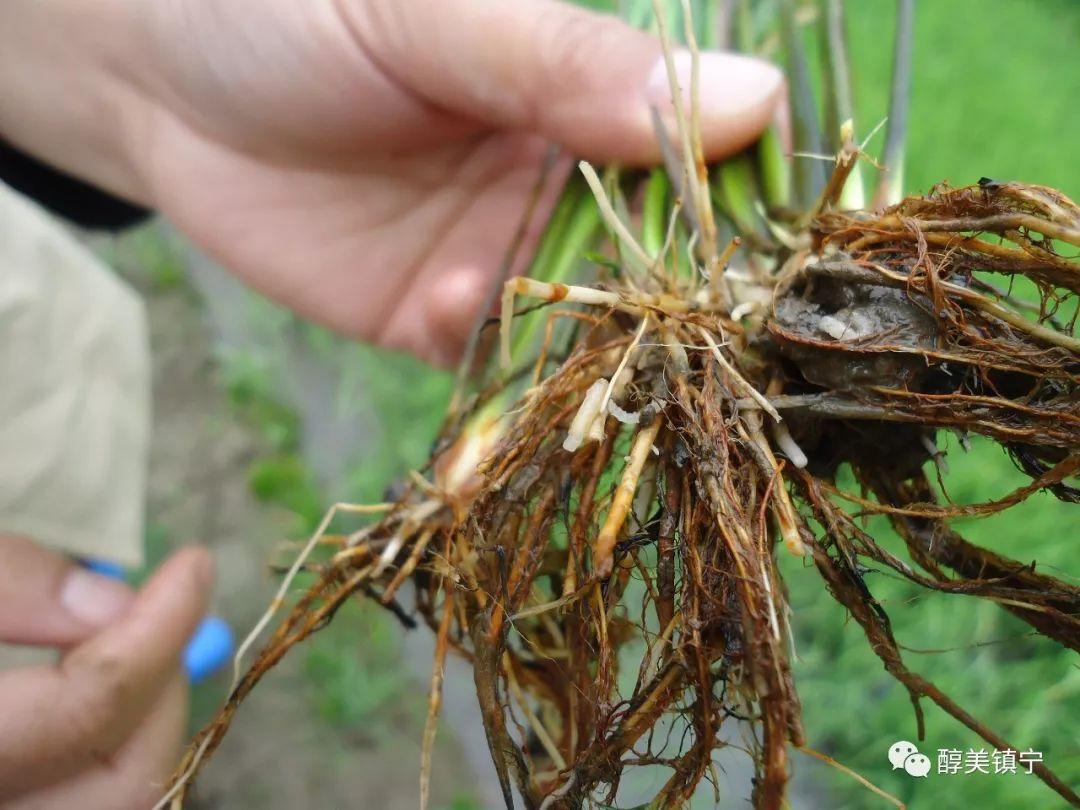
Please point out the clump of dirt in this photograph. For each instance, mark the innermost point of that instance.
(829, 313)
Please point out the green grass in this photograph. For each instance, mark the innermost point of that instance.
(995, 88)
(462, 803)
(1024, 687)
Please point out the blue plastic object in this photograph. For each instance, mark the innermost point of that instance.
(208, 650)
(106, 569)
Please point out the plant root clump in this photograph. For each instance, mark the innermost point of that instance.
(604, 551)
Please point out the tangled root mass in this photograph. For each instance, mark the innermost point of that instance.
(620, 601)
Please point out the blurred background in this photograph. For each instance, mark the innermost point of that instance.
(263, 421)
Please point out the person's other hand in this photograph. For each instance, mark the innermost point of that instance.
(364, 162)
(102, 728)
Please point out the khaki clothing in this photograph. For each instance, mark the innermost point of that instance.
(74, 392)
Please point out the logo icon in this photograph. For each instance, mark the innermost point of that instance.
(903, 754)
(917, 765)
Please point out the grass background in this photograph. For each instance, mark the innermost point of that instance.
(996, 91)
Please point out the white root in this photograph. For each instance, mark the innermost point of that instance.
(937, 455)
(618, 379)
(544, 291)
(695, 187)
(788, 446)
(506, 314)
(612, 219)
(588, 423)
(742, 310)
(626, 417)
(929, 444)
(773, 621)
(412, 522)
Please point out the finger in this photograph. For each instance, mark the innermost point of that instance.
(61, 720)
(49, 600)
(478, 247)
(147, 759)
(585, 80)
(452, 282)
(135, 778)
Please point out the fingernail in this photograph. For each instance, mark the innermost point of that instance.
(94, 599)
(727, 83)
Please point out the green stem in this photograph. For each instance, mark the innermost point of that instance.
(654, 212)
(742, 27)
(839, 106)
(890, 187)
(707, 22)
(775, 170)
(809, 172)
(736, 193)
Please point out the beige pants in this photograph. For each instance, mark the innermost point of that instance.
(74, 392)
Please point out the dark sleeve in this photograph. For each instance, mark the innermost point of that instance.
(64, 195)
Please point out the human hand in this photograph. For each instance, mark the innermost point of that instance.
(102, 728)
(364, 162)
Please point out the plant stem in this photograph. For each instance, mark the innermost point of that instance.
(805, 128)
(839, 105)
(890, 186)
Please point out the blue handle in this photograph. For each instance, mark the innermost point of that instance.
(106, 569)
(209, 649)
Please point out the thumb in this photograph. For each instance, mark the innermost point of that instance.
(582, 79)
(47, 599)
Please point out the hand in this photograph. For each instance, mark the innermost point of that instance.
(364, 162)
(102, 728)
